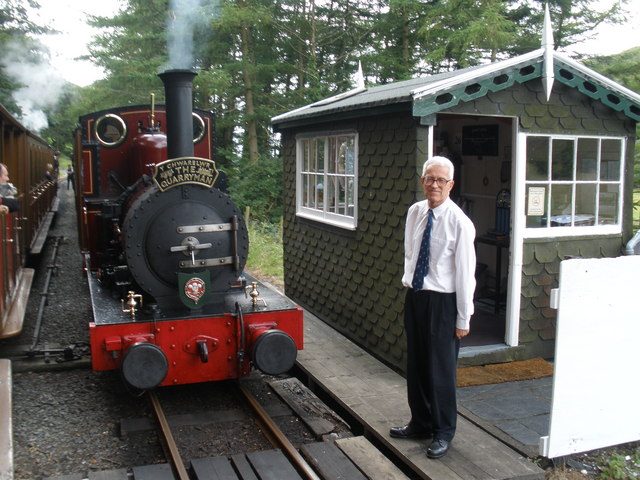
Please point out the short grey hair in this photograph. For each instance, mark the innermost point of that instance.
(442, 161)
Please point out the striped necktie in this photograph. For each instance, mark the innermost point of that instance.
(422, 266)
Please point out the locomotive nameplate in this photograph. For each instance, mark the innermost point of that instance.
(183, 171)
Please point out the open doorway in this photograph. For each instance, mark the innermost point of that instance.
(481, 149)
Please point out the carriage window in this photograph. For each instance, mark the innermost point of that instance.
(573, 182)
(326, 178)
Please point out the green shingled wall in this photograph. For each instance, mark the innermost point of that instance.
(540, 273)
(352, 279)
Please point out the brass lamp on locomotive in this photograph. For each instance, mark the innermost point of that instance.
(165, 249)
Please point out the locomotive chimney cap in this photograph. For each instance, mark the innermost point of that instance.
(171, 71)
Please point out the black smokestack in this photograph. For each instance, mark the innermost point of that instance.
(179, 102)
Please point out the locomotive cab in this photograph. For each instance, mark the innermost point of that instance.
(165, 249)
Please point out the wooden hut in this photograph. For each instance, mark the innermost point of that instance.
(543, 148)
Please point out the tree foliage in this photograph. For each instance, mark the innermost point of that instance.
(16, 45)
(131, 50)
(624, 68)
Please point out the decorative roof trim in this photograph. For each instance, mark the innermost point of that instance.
(479, 86)
(493, 77)
(597, 86)
(595, 90)
(488, 69)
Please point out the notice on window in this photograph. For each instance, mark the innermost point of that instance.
(535, 205)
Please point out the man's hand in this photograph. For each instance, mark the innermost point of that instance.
(461, 333)
(4, 209)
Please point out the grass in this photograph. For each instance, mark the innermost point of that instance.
(621, 466)
(265, 253)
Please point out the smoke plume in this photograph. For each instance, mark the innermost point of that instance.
(41, 86)
(186, 18)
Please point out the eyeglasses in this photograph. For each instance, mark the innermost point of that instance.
(440, 181)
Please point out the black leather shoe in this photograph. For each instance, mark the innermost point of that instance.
(438, 449)
(409, 431)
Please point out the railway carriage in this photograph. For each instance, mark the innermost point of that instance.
(28, 158)
(165, 249)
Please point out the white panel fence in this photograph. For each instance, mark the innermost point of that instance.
(596, 380)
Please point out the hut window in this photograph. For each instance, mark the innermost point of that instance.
(573, 181)
(326, 180)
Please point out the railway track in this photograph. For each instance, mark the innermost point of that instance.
(202, 467)
(275, 456)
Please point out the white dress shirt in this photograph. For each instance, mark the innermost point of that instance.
(452, 256)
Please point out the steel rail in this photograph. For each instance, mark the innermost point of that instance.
(277, 437)
(52, 268)
(168, 440)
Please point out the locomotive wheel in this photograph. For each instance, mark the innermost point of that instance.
(274, 352)
(144, 366)
(153, 226)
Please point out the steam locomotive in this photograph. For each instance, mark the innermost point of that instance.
(165, 248)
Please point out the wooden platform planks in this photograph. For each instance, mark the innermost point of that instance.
(66, 477)
(272, 465)
(6, 428)
(216, 468)
(245, 472)
(116, 474)
(311, 410)
(369, 459)
(265, 465)
(353, 458)
(330, 462)
(376, 397)
(160, 471)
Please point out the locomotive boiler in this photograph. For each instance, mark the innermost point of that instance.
(165, 248)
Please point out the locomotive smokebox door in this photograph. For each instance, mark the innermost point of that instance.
(184, 230)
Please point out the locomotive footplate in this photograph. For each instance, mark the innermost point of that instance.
(254, 326)
(108, 311)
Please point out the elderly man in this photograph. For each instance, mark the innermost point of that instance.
(8, 202)
(439, 273)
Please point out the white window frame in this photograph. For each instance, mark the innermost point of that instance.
(321, 212)
(575, 230)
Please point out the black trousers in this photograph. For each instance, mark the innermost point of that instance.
(432, 355)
